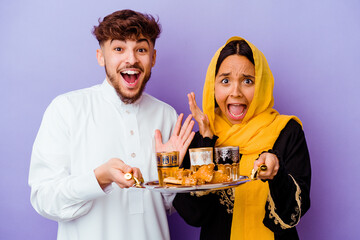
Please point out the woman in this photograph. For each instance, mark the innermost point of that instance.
(237, 105)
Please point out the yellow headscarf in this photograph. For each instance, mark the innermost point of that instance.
(258, 132)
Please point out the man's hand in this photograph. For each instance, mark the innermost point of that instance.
(200, 117)
(272, 163)
(113, 171)
(179, 140)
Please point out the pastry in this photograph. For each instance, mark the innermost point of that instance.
(205, 172)
(220, 177)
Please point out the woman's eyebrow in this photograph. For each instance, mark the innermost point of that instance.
(250, 76)
(227, 74)
(224, 74)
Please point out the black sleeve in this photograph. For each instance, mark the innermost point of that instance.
(290, 189)
(196, 211)
(205, 211)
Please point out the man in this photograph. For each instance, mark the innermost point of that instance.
(90, 138)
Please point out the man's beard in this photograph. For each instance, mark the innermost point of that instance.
(124, 98)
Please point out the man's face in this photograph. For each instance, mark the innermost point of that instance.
(128, 65)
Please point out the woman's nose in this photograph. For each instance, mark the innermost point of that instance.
(236, 90)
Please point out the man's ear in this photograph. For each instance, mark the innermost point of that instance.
(100, 57)
(154, 59)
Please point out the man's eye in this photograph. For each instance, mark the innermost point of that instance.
(225, 80)
(118, 49)
(142, 50)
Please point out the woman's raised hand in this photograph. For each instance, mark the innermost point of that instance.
(200, 117)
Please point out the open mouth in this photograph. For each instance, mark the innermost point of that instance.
(237, 111)
(131, 77)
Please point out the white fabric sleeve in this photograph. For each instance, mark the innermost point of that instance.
(56, 193)
(168, 198)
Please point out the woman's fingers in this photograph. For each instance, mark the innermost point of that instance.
(193, 106)
(272, 163)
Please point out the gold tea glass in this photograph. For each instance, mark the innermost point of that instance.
(167, 165)
(200, 156)
(228, 158)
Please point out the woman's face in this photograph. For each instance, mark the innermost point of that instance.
(235, 87)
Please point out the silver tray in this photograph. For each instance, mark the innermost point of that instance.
(154, 186)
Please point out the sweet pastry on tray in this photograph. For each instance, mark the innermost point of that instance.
(204, 175)
(221, 168)
(172, 180)
(220, 177)
(181, 173)
(189, 181)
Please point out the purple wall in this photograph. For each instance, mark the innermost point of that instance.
(312, 47)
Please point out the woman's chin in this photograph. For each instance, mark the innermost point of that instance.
(236, 119)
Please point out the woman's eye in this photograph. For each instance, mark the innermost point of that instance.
(118, 49)
(248, 81)
(225, 80)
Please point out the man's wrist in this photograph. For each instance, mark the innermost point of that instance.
(101, 176)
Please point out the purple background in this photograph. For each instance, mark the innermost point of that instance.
(312, 47)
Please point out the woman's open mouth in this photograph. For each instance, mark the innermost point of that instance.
(237, 111)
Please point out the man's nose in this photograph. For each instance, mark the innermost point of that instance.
(131, 58)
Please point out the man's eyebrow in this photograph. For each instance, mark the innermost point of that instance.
(117, 40)
(137, 41)
(143, 40)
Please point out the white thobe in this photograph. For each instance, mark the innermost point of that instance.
(80, 131)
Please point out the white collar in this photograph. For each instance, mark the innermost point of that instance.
(111, 95)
